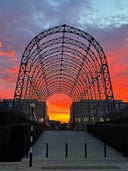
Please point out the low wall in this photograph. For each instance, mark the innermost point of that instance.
(10, 117)
(115, 135)
(15, 140)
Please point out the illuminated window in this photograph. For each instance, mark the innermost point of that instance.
(78, 120)
(86, 119)
(92, 119)
(101, 119)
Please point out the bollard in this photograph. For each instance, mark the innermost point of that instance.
(30, 157)
(66, 150)
(85, 150)
(105, 152)
(46, 150)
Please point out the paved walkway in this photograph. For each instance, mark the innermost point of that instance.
(75, 160)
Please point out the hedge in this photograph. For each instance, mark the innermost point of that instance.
(115, 135)
(15, 140)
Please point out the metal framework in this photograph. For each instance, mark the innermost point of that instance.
(66, 60)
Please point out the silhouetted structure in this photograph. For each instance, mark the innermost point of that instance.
(62, 59)
(67, 60)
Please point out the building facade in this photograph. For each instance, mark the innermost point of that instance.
(92, 111)
(40, 110)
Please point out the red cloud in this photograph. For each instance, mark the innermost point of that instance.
(9, 75)
(8, 54)
(0, 44)
(8, 80)
(7, 51)
(118, 65)
(13, 70)
(6, 93)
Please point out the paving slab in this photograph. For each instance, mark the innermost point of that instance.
(75, 159)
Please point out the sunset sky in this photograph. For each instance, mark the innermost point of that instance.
(106, 21)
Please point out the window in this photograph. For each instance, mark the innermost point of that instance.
(101, 119)
(92, 119)
(78, 120)
(86, 119)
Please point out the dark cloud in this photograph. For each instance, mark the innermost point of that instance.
(21, 20)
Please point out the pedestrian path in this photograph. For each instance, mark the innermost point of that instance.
(75, 141)
(70, 150)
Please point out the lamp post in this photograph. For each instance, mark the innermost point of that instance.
(32, 106)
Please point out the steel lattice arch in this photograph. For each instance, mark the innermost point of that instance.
(66, 60)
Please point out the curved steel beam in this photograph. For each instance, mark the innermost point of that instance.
(64, 59)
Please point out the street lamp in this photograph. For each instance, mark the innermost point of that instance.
(32, 106)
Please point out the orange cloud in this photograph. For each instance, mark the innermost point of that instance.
(64, 118)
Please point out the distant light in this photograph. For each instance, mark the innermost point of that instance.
(41, 119)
